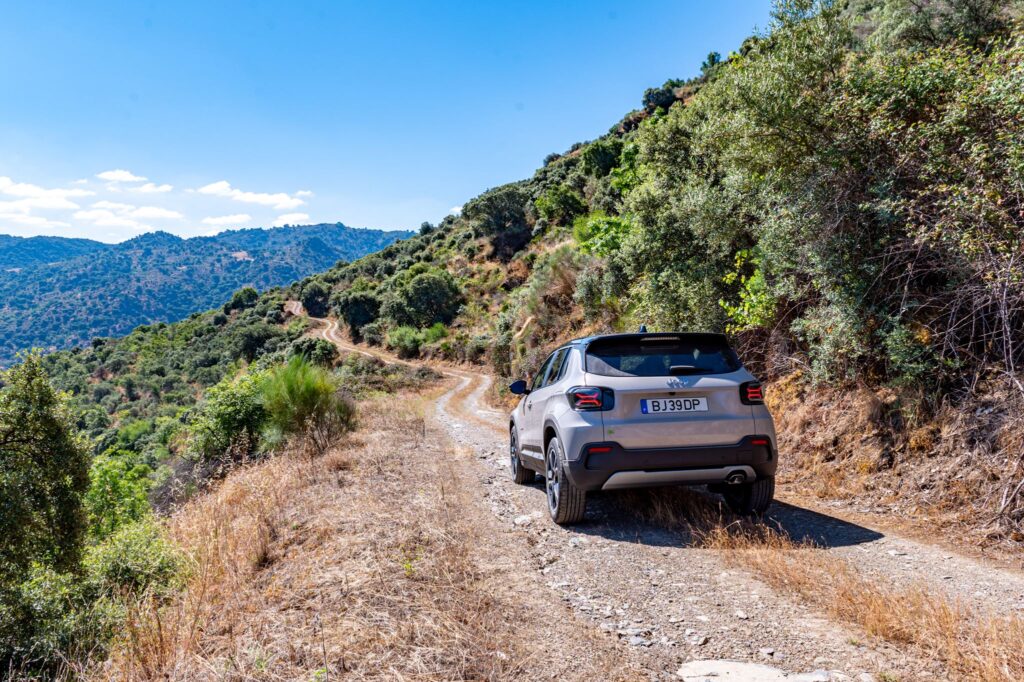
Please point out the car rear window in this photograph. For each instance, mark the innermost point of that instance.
(657, 356)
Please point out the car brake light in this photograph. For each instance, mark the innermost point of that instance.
(599, 449)
(751, 393)
(590, 398)
(759, 441)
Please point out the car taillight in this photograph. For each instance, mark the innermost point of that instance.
(590, 398)
(759, 441)
(751, 393)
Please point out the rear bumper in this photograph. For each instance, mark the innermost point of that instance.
(609, 465)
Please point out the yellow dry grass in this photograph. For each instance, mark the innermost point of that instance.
(972, 644)
(348, 564)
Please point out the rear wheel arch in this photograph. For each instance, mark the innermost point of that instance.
(550, 432)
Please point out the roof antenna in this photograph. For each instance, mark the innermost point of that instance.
(642, 330)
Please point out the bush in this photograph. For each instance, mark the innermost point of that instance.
(405, 341)
(374, 333)
(357, 309)
(560, 205)
(303, 400)
(119, 484)
(429, 297)
(241, 300)
(318, 351)
(52, 618)
(136, 558)
(314, 298)
(229, 420)
(600, 234)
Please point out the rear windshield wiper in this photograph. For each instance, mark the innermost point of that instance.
(684, 370)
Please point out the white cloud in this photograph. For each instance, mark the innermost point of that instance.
(227, 219)
(454, 210)
(28, 191)
(81, 181)
(120, 175)
(31, 220)
(278, 200)
(104, 218)
(291, 219)
(150, 188)
(303, 193)
(112, 206)
(155, 212)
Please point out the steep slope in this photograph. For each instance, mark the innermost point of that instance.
(161, 278)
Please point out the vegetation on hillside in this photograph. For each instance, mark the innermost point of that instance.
(18, 253)
(844, 195)
(107, 291)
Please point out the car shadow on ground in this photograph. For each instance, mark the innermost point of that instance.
(677, 517)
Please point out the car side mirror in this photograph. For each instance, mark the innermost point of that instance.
(518, 387)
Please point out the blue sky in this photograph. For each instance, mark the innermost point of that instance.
(123, 117)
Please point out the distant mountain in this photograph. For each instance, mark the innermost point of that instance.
(23, 252)
(56, 293)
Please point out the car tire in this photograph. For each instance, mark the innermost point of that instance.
(567, 504)
(520, 474)
(747, 499)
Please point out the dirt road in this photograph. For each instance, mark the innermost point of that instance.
(670, 604)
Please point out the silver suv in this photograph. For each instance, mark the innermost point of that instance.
(643, 410)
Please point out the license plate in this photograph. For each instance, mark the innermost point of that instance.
(663, 405)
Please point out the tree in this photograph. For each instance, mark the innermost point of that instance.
(357, 309)
(242, 299)
(314, 298)
(500, 214)
(560, 205)
(600, 157)
(318, 351)
(44, 472)
(429, 297)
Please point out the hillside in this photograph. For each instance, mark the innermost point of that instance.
(17, 253)
(156, 277)
(843, 196)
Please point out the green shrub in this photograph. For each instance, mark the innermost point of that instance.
(434, 333)
(318, 351)
(241, 300)
(136, 558)
(52, 618)
(119, 484)
(405, 341)
(44, 471)
(303, 400)
(560, 205)
(374, 333)
(229, 419)
(357, 309)
(314, 298)
(600, 234)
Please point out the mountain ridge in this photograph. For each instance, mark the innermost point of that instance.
(159, 277)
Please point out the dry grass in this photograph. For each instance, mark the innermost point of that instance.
(353, 563)
(959, 469)
(972, 644)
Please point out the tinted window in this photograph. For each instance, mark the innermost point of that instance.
(539, 379)
(661, 356)
(557, 366)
